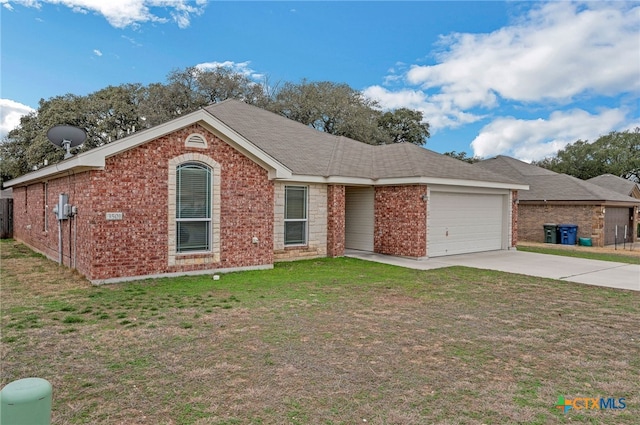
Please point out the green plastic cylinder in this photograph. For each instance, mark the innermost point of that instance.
(26, 402)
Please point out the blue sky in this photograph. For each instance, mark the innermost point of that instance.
(514, 78)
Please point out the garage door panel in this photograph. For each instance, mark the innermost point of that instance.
(616, 217)
(462, 223)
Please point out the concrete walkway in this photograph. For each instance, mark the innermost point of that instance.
(590, 272)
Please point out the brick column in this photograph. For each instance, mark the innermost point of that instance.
(401, 220)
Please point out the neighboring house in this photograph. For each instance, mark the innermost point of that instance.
(620, 185)
(234, 187)
(617, 184)
(599, 213)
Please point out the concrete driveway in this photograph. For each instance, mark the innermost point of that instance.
(590, 272)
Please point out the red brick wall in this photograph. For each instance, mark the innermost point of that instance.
(36, 225)
(135, 183)
(335, 220)
(400, 220)
(589, 219)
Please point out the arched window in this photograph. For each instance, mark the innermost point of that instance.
(193, 207)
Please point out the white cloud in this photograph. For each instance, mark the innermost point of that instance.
(560, 51)
(535, 139)
(10, 114)
(238, 67)
(124, 13)
(97, 52)
(439, 113)
(558, 56)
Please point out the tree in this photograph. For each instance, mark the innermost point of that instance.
(333, 108)
(105, 115)
(405, 126)
(116, 111)
(160, 103)
(192, 88)
(616, 153)
(222, 83)
(462, 156)
(110, 114)
(27, 146)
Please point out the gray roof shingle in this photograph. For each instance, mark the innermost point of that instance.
(546, 185)
(306, 151)
(615, 183)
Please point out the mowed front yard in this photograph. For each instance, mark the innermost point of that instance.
(331, 341)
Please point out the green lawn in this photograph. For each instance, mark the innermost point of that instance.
(623, 257)
(329, 341)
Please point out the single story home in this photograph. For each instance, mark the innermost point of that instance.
(234, 187)
(620, 185)
(600, 214)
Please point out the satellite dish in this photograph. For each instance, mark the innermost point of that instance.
(66, 136)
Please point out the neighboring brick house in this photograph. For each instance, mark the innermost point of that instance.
(620, 185)
(563, 199)
(234, 187)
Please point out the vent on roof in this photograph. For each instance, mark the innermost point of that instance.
(196, 141)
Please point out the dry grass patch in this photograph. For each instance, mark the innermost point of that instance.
(332, 341)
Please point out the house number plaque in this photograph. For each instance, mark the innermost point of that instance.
(114, 216)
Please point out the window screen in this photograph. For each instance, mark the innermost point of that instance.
(295, 215)
(193, 207)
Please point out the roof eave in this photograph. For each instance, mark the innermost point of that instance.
(96, 158)
(579, 202)
(399, 181)
(71, 166)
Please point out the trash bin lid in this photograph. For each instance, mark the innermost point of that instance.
(568, 225)
(25, 390)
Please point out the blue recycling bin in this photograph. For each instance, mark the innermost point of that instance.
(567, 233)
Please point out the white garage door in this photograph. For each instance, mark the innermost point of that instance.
(359, 215)
(460, 223)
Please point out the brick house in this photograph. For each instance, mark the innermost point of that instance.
(620, 185)
(234, 187)
(563, 199)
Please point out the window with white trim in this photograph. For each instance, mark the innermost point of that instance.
(295, 215)
(193, 208)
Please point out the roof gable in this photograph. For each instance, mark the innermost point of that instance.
(96, 158)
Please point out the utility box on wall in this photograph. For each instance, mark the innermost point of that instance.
(62, 210)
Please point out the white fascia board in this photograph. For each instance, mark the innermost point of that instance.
(348, 181)
(398, 181)
(70, 166)
(275, 168)
(450, 182)
(96, 158)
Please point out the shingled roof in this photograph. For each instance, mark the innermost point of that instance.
(546, 185)
(617, 184)
(306, 151)
(294, 151)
